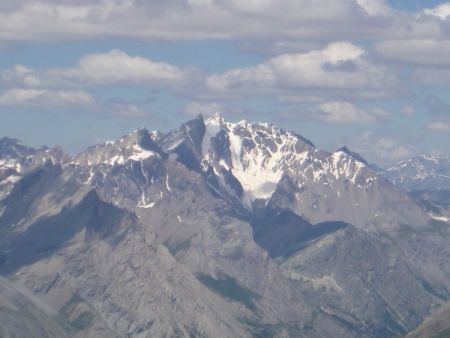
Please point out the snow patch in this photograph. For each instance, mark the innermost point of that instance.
(258, 174)
(328, 282)
(146, 206)
(167, 184)
(11, 179)
(213, 126)
(91, 176)
(118, 159)
(140, 153)
(440, 218)
(260, 154)
(175, 145)
(11, 164)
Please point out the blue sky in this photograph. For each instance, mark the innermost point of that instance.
(370, 74)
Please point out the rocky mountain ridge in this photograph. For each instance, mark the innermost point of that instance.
(222, 229)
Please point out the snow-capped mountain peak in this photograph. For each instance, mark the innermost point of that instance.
(215, 118)
(253, 165)
(135, 146)
(256, 154)
(356, 156)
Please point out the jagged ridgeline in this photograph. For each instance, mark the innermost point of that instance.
(216, 229)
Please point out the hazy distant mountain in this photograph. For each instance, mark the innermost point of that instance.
(435, 202)
(220, 229)
(427, 181)
(421, 173)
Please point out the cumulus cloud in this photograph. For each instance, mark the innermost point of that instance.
(439, 126)
(426, 44)
(63, 99)
(45, 97)
(432, 76)
(341, 69)
(115, 67)
(391, 149)
(374, 7)
(67, 86)
(290, 27)
(417, 51)
(123, 109)
(209, 19)
(381, 149)
(205, 108)
(342, 112)
(442, 11)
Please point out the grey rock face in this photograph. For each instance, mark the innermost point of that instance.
(25, 315)
(435, 202)
(22, 315)
(376, 284)
(279, 169)
(221, 230)
(17, 160)
(435, 325)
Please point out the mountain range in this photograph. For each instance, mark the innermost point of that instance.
(426, 179)
(421, 173)
(219, 229)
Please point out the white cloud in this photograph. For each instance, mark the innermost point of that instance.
(390, 149)
(286, 26)
(44, 97)
(272, 20)
(119, 67)
(339, 70)
(422, 39)
(69, 98)
(417, 51)
(374, 7)
(442, 11)
(381, 149)
(205, 108)
(342, 112)
(439, 126)
(115, 67)
(124, 110)
(432, 76)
